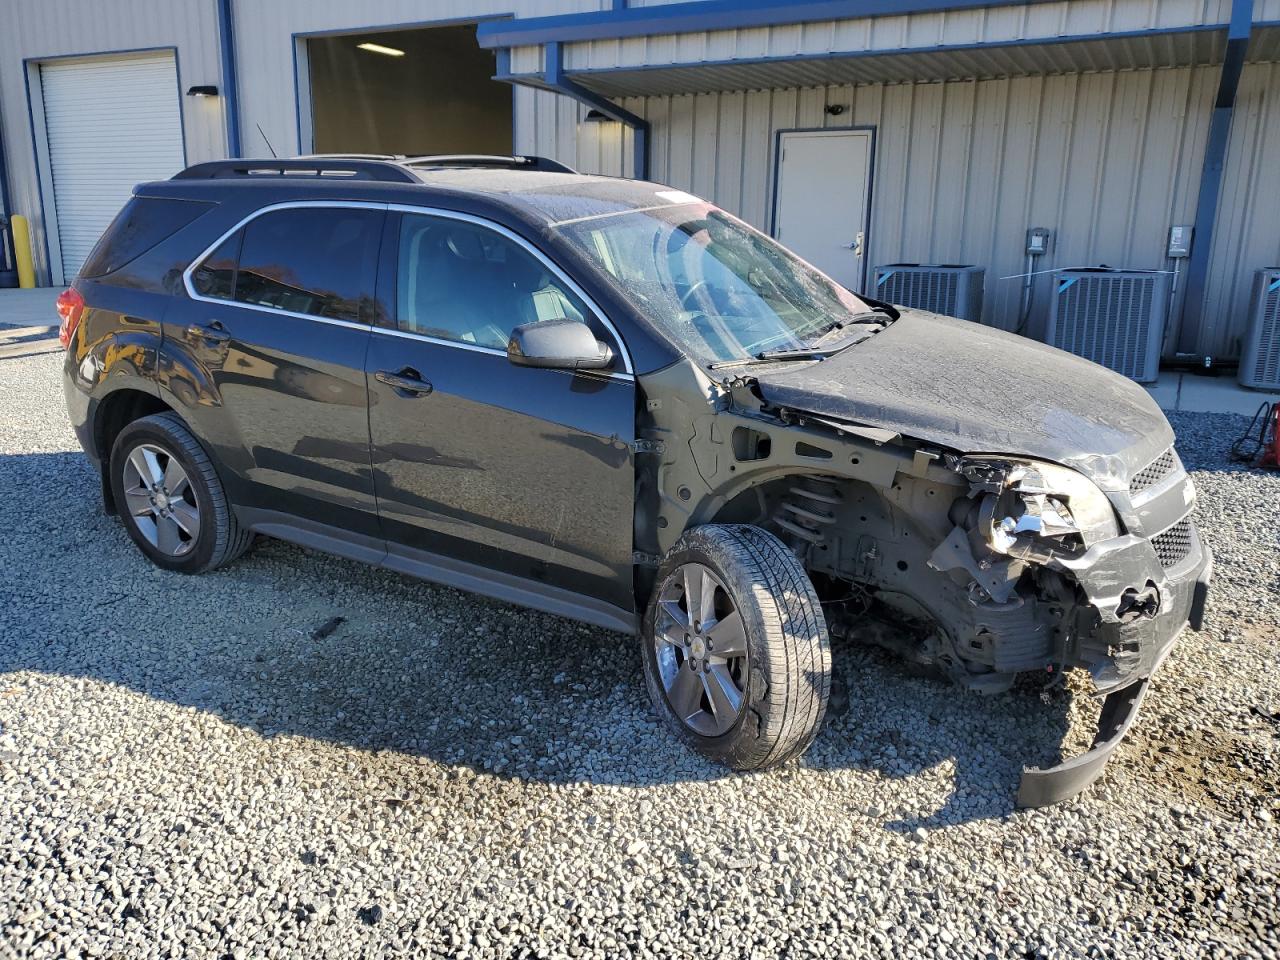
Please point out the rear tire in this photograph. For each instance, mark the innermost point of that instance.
(743, 672)
(169, 496)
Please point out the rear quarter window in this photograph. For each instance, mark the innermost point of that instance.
(140, 225)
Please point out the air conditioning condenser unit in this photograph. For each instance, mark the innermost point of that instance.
(1260, 364)
(1112, 317)
(954, 290)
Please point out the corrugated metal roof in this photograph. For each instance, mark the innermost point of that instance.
(1129, 52)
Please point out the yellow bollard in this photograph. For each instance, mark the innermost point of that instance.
(22, 251)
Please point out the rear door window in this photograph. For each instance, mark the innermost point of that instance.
(318, 261)
(141, 224)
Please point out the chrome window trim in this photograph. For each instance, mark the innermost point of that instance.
(628, 371)
(285, 205)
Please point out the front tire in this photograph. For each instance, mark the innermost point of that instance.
(737, 658)
(170, 498)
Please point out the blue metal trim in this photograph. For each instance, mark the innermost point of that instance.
(1215, 154)
(903, 51)
(35, 166)
(294, 41)
(8, 260)
(699, 15)
(479, 20)
(871, 182)
(230, 90)
(554, 78)
(182, 106)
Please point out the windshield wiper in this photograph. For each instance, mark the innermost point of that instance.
(771, 356)
(865, 316)
(814, 352)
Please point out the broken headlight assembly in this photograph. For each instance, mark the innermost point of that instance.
(1035, 511)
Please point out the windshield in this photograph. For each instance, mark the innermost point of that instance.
(722, 289)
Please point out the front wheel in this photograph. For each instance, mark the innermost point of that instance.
(736, 653)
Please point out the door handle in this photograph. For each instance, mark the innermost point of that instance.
(407, 381)
(213, 332)
(856, 245)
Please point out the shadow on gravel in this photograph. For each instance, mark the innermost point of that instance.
(289, 643)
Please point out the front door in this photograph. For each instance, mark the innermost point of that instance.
(522, 471)
(823, 200)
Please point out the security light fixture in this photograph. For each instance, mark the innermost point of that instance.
(379, 48)
(206, 91)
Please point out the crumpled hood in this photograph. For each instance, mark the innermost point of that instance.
(976, 389)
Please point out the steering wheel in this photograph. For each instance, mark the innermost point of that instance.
(697, 287)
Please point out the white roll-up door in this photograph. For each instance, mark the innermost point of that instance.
(111, 124)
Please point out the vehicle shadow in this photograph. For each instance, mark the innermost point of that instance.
(291, 643)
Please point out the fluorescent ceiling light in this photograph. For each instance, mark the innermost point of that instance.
(379, 48)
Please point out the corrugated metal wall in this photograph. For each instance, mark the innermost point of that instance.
(1247, 237)
(55, 28)
(1108, 161)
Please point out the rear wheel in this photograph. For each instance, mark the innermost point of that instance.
(736, 653)
(170, 498)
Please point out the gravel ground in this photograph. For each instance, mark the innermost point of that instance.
(189, 769)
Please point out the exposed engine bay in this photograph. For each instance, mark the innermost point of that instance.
(979, 566)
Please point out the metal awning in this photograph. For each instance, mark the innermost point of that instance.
(1192, 46)
(1115, 52)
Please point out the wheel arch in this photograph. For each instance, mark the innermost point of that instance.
(114, 412)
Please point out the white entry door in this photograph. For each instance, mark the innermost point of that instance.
(111, 124)
(823, 200)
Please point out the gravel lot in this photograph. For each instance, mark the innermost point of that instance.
(188, 769)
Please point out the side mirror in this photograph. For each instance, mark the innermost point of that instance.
(560, 343)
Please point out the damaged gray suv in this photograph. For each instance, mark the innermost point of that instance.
(613, 401)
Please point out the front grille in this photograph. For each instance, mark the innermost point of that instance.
(1173, 545)
(1154, 472)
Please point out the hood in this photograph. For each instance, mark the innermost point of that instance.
(976, 389)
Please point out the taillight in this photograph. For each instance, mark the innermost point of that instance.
(70, 309)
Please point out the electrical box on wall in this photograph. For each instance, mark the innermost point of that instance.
(1039, 240)
(1179, 242)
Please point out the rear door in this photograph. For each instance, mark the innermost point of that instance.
(520, 471)
(277, 328)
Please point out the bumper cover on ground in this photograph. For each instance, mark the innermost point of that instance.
(1042, 787)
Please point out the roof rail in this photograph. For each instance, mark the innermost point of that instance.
(393, 157)
(542, 164)
(337, 167)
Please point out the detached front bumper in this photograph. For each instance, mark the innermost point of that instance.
(1151, 639)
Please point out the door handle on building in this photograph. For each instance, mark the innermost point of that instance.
(856, 246)
(407, 382)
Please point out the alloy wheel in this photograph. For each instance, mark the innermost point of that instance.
(161, 499)
(701, 648)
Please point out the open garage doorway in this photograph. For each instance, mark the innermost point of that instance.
(414, 92)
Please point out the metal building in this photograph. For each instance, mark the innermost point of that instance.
(862, 131)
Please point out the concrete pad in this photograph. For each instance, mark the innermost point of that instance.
(1196, 393)
(29, 308)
